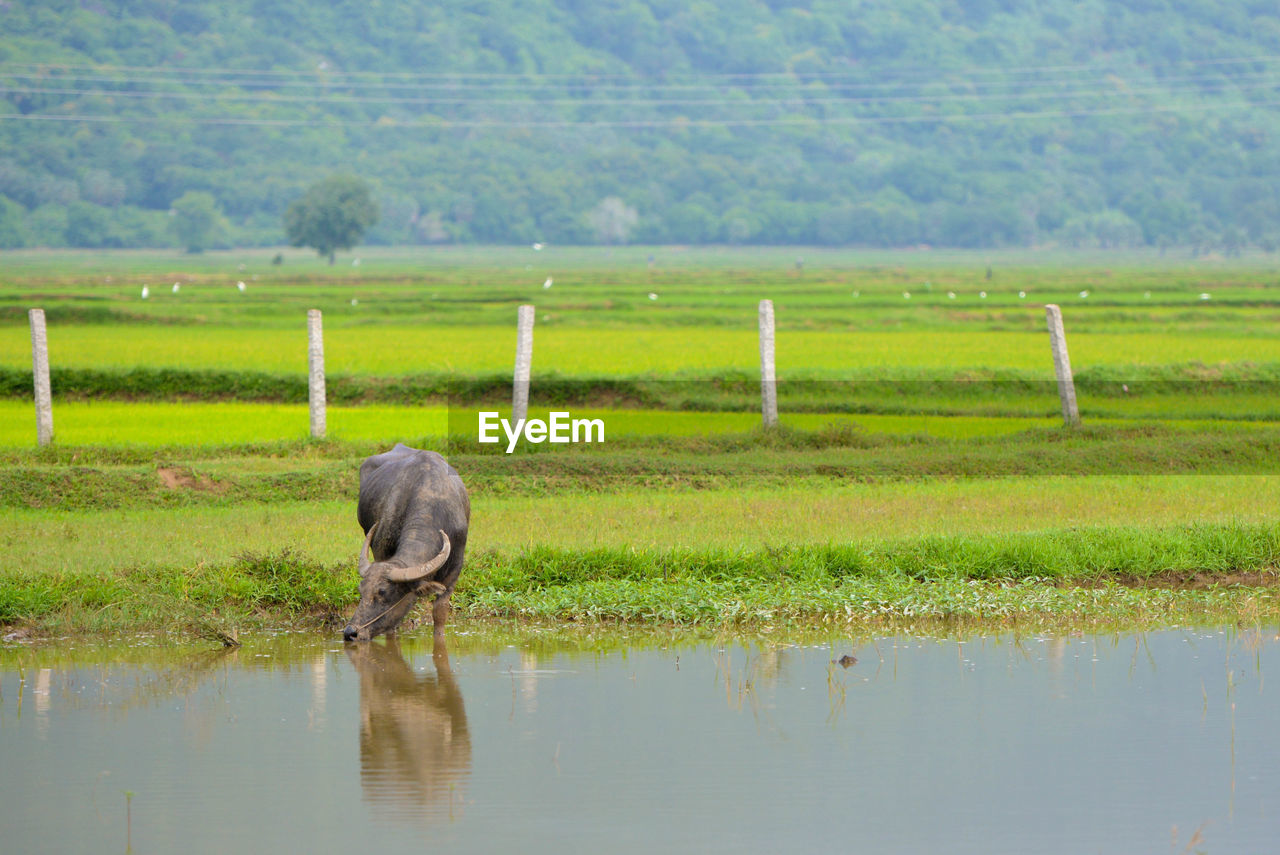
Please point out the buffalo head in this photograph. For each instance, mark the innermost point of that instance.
(389, 590)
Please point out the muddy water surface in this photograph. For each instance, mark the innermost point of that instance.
(533, 743)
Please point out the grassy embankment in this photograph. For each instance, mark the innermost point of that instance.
(212, 540)
(920, 473)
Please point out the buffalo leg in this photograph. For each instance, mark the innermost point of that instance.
(440, 615)
(441, 608)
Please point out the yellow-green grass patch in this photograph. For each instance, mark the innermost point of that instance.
(605, 351)
(157, 424)
(807, 513)
(148, 423)
(198, 423)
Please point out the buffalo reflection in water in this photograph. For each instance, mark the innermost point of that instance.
(415, 750)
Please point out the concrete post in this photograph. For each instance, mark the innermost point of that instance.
(768, 376)
(315, 373)
(1062, 365)
(40, 373)
(524, 364)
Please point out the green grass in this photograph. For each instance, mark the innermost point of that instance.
(454, 310)
(1067, 576)
(920, 470)
(119, 477)
(1242, 391)
(393, 351)
(984, 576)
(221, 424)
(156, 424)
(761, 515)
(251, 592)
(152, 424)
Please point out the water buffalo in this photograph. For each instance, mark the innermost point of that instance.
(414, 510)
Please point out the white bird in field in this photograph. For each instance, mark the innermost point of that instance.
(240, 285)
(146, 292)
(355, 262)
(951, 295)
(1022, 295)
(537, 247)
(652, 296)
(906, 295)
(175, 287)
(547, 284)
(1084, 294)
(982, 295)
(1204, 296)
(354, 301)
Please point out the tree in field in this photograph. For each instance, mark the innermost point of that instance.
(197, 222)
(612, 220)
(333, 214)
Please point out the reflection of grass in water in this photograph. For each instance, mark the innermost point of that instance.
(128, 812)
(837, 690)
(739, 689)
(1196, 838)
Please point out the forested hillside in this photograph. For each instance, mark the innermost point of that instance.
(866, 122)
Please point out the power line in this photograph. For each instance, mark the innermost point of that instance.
(589, 101)
(533, 86)
(446, 124)
(499, 75)
(193, 77)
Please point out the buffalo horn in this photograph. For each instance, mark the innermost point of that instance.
(364, 550)
(413, 574)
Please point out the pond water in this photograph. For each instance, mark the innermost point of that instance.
(537, 743)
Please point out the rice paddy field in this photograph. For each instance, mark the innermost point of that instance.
(921, 442)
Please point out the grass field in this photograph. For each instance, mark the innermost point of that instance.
(921, 468)
(154, 424)
(157, 425)
(810, 513)
(691, 352)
